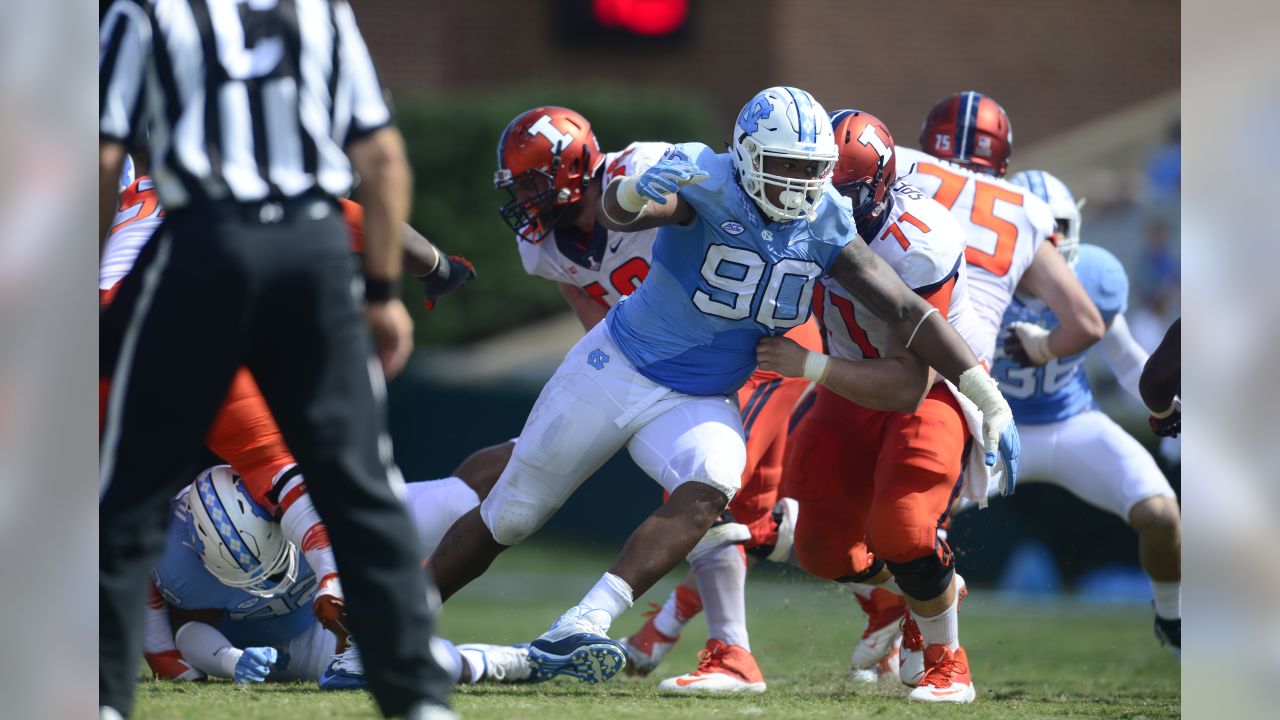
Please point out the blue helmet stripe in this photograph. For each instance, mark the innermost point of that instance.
(967, 123)
(217, 512)
(804, 112)
(1036, 179)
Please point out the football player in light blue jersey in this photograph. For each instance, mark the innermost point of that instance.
(1066, 440)
(239, 593)
(744, 237)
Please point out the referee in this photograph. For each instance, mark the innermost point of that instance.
(254, 114)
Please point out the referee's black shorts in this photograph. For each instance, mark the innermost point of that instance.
(275, 287)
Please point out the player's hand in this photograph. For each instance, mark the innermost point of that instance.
(1027, 344)
(392, 330)
(169, 665)
(330, 609)
(450, 274)
(666, 177)
(1169, 422)
(1000, 433)
(781, 355)
(255, 664)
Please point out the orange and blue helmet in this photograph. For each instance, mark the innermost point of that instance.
(969, 129)
(546, 158)
(867, 165)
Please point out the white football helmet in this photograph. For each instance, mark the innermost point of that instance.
(1065, 208)
(236, 538)
(783, 122)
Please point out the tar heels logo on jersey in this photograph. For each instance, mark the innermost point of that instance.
(597, 359)
(731, 227)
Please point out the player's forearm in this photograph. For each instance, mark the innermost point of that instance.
(385, 189)
(421, 256)
(208, 650)
(1124, 355)
(890, 384)
(622, 209)
(110, 162)
(937, 343)
(1162, 377)
(589, 312)
(1078, 333)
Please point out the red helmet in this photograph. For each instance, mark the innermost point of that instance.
(546, 158)
(970, 129)
(867, 166)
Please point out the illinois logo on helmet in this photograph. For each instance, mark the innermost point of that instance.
(546, 158)
(867, 165)
(970, 129)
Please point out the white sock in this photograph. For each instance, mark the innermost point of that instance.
(722, 580)
(1168, 598)
(941, 629)
(474, 660)
(667, 621)
(611, 594)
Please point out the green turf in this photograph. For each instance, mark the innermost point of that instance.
(1029, 660)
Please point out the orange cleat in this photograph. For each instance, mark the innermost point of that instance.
(647, 646)
(946, 677)
(884, 612)
(722, 668)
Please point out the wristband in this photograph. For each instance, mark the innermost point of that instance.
(815, 366)
(1174, 406)
(919, 325)
(380, 290)
(627, 196)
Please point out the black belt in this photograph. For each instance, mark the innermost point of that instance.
(314, 205)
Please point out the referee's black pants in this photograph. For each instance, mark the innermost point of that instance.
(274, 289)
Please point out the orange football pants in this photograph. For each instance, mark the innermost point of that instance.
(873, 484)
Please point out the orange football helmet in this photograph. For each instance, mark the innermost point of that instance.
(546, 158)
(970, 129)
(867, 165)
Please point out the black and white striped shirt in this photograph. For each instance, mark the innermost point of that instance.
(238, 100)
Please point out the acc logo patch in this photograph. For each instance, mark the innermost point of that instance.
(731, 227)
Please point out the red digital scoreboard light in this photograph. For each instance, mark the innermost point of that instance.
(605, 22)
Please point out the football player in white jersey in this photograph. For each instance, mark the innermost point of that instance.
(744, 237)
(550, 162)
(876, 459)
(968, 140)
(1066, 440)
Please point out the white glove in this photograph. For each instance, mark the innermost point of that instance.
(664, 178)
(1035, 341)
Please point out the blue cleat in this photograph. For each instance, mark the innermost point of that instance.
(345, 672)
(577, 646)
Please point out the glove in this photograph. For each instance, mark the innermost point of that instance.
(255, 664)
(330, 609)
(664, 178)
(999, 434)
(1028, 344)
(1169, 422)
(447, 277)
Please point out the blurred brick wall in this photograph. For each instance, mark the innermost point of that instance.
(1052, 64)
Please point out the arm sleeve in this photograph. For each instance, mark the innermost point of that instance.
(124, 42)
(1124, 355)
(359, 107)
(207, 649)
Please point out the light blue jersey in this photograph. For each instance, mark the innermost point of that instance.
(719, 284)
(1060, 389)
(247, 620)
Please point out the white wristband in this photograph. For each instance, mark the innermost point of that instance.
(627, 197)
(815, 366)
(919, 325)
(1175, 406)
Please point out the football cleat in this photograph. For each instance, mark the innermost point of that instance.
(499, 663)
(946, 677)
(1169, 633)
(577, 645)
(786, 513)
(911, 658)
(882, 635)
(345, 672)
(648, 645)
(722, 668)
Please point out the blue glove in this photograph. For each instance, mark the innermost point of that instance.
(255, 664)
(1010, 448)
(666, 177)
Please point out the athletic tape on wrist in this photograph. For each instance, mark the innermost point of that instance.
(815, 366)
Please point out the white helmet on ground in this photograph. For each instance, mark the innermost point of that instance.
(236, 538)
(1065, 209)
(783, 122)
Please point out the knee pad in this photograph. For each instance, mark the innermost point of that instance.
(511, 520)
(923, 578)
(876, 566)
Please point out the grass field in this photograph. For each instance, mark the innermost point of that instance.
(1061, 659)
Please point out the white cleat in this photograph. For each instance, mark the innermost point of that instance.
(500, 663)
(577, 645)
(886, 668)
(787, 514)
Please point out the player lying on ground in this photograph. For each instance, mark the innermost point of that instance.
(1066, 440)
(244, 433)
(551, 165)
(231, 598)
(745, 237)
